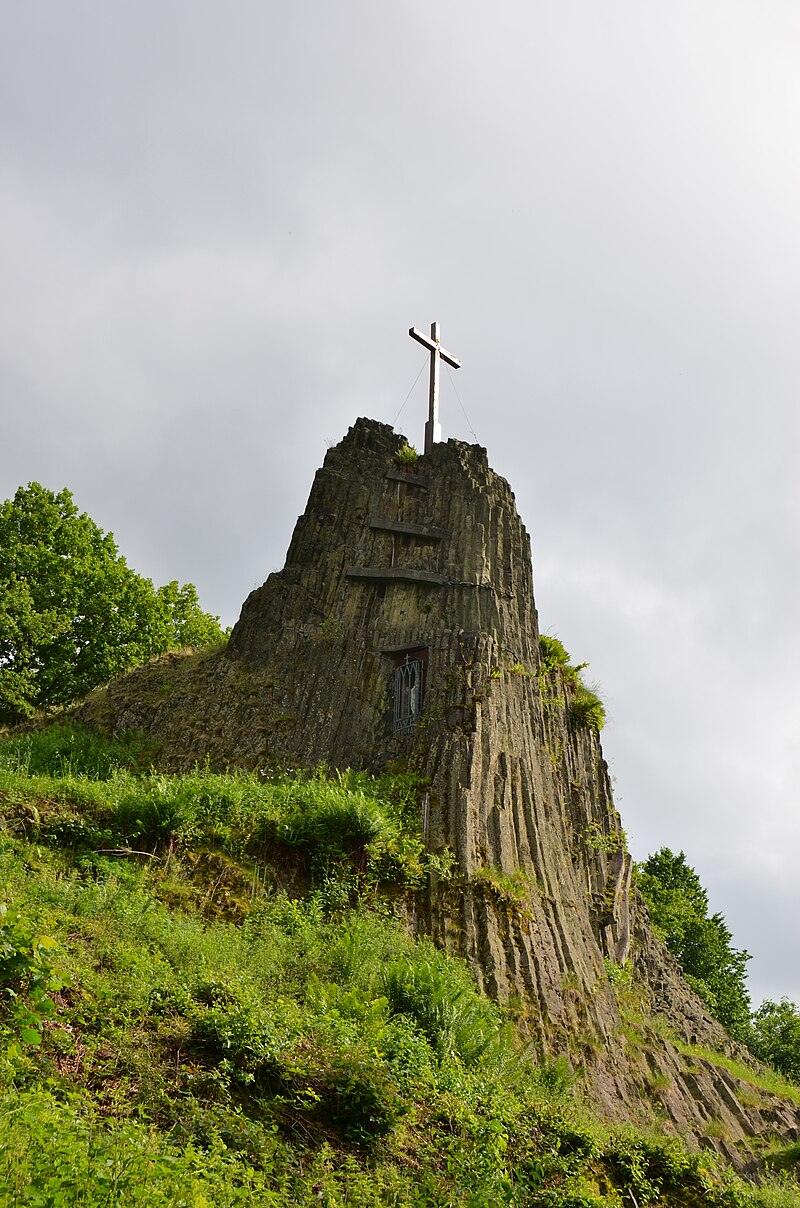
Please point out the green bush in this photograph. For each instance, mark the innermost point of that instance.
(776, 1036)
(72, 612)
(58, 1153)
(399, 859)
(335, 818)
(648, 1168)
(246, 1039)
(150, 814)
(358, 1096)
(702, 943)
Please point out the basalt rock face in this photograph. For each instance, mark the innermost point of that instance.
(403, 627)
(433, 564)
(387, 562)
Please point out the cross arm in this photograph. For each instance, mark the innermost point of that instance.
(434, 346)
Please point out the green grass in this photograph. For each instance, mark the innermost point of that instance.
(764, 1079)
(214, 1039)
(783, 1157)
(61, 750)
(66, 791)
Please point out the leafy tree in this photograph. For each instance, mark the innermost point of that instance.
(776, 1036)
(72, 612)
(678, 906)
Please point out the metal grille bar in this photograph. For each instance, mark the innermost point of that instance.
(407, 695)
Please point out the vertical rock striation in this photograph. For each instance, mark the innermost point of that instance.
(435, 563)
(403, 627)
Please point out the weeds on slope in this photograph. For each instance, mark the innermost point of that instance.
(304, 1050)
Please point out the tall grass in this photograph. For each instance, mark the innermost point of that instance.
(69, 750)
(68, 787)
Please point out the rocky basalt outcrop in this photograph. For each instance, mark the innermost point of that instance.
(428, 568)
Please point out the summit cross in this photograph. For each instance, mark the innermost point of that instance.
(433, 429)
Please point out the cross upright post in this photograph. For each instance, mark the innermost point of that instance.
(433, 429)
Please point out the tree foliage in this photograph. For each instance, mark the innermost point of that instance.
(72, 612)
(678, 906)
(776, 1036)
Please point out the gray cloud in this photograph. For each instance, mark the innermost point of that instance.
(217, 224)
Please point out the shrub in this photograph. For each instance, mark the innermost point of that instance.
(358, 1096)
(152, 811)
(585, 709)
(58, 1153)
(702, 944)
(73, 614)
(245, 1038)
(648, 1168)
(555, 1078)
(334, 818)
(398, 858)
(776, 1036)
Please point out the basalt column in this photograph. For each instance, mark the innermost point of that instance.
(387, 564)
(430, 567)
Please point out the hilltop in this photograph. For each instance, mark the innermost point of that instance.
(388, 791)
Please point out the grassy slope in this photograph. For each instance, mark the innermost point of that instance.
(238, 1016)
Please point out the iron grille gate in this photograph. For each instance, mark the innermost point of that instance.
(407, 694)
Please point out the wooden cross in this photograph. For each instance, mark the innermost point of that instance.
(433, 429)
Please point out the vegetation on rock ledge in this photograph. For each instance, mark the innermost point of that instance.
(406, 456)
(585, 708)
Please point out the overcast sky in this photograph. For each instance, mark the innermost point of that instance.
(218, 221)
